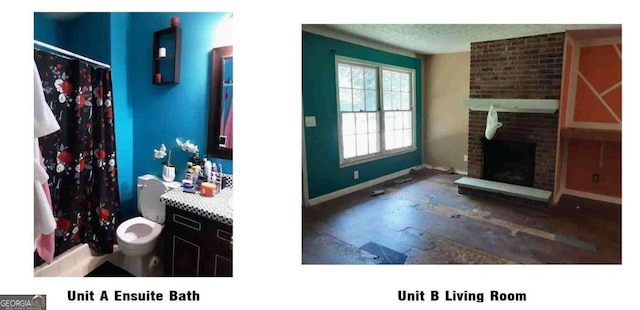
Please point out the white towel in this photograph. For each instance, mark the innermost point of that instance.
(44, 124)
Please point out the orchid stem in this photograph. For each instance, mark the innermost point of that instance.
(169, 160)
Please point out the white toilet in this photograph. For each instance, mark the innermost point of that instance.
(138, 237)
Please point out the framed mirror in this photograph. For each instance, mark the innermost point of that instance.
(220, 135)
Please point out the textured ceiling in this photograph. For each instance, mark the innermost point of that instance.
(442, 38)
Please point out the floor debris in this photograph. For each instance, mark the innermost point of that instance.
(456, 216)
(403, 180)
(377, 192)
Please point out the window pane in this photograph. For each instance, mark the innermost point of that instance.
(370, 100)
(386, 100)
(344, 76)
(396, 98)
(404, 82)
(358, 100)
(405, 101)
(395, 81)
(388, 140)
(362, 142)
(407, 121)
(370, 79)
(361, 123)
(345, 100)
(388, 121)
(348, 124)
(398, 139)
(349, 146)
(407, 137)
(398, 120)
(373, 143)
(357, 77)
(372, 122)
(386, 80)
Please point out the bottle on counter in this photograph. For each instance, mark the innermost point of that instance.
(188, 173)
(207, 170)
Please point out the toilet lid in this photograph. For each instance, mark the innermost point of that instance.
(150, 205)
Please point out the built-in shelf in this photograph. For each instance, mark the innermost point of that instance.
(591, 134)
(169, 66)
(512, 105)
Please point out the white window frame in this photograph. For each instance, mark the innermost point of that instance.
(382, 153)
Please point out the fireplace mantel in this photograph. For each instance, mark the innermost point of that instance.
(513, 105)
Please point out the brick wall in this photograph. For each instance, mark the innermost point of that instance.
(521, 68)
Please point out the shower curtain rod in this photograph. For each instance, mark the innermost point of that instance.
(57, 49)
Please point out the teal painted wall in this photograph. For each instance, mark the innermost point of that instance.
(319, 99)
(90, 35)
(47, 30)
(123, 110)
(162, 113)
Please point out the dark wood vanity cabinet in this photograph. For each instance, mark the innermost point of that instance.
(196, 246)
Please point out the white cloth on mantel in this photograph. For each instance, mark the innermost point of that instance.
(45, 123)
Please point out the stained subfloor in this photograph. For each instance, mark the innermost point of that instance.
(426, 221)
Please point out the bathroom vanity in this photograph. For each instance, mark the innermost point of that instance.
(198, 234)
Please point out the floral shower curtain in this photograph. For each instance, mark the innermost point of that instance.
(80, 158)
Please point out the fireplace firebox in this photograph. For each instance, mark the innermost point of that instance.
(510, 162)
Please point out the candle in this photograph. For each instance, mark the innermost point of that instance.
(175, 21)
(157, 77)
(162, 52)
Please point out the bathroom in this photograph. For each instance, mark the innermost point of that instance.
(170, 84)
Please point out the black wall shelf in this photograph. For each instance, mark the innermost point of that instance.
(169, 66)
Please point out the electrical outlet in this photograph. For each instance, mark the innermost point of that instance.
(356, 175)
(595, 178)
(466, 158)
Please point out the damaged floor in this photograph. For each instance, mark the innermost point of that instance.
(426, 221)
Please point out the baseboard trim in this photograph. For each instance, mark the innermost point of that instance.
(445, 169)
(351, 189)
(593, 196)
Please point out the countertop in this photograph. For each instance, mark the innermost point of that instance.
(217, 208)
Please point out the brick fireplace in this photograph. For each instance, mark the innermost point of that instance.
(520, 68)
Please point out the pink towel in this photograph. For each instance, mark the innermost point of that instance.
(45, 246)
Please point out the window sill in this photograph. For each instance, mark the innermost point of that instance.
(392, 153)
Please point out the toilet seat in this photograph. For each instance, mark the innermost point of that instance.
(149, 202)
(138, 230)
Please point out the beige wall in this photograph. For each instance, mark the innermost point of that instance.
(445, 84)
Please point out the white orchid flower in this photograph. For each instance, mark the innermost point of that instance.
(161, 153)
(178, 142)
(186, 145)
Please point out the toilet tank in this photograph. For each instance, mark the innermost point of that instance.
(152, 206)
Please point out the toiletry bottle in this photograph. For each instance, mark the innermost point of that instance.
(188, 175)
(214, 174)
(207, 170)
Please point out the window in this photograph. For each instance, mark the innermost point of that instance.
(376, 110)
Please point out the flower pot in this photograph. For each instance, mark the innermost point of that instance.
(168, 173)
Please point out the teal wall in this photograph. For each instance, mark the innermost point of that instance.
(164, 112)
(90, 35)
(120, 24)
(319, 99)
(47, 30)
(146, 115)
